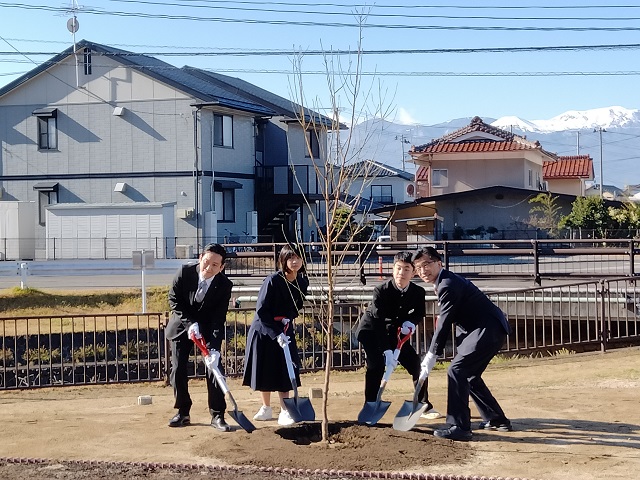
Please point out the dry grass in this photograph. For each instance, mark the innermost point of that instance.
(31, 302)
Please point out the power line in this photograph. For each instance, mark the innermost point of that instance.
(373, 73)
(369, 13)
(361, 24)
(316, 52)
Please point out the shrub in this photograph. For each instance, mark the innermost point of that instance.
(6, 357)
(90, 353)
(136, 350)
(41, 355)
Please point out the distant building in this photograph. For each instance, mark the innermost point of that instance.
(480, 178)
(567, 174)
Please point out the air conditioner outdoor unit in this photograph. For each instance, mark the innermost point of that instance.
(184, 251)
(185, 213)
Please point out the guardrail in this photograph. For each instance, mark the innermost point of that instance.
(66, 350)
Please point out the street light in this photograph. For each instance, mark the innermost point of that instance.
(600, 129)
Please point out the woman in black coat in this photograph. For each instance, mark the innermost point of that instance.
(279, 301)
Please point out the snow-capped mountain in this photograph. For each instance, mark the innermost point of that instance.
(569, 133)
(607, 117)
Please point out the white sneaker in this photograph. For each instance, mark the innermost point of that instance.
(431, 414)
(265, 413)
(284, 418)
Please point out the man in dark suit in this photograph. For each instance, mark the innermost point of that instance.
(481, 329)
(397, 303)
(199, 300)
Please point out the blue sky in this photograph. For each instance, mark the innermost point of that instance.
(414, 93)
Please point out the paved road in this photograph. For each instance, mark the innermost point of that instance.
(120, 274)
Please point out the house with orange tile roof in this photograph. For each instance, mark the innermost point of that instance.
(568, 174)
(481, 178)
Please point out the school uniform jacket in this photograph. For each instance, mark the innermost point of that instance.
(390, 308)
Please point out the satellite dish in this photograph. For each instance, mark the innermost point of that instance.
(73, 25)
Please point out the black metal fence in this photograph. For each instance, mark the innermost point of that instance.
(93, 349)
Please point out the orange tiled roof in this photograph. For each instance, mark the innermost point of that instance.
(454, 143)
(573, 166)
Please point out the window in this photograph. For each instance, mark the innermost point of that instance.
(225, 198)
(530, 178)
(312, 144)
(47, 128)
(47, 195)
(87, 61)
(381, 193)
(228, 205)
(222, 130)
(440, 178)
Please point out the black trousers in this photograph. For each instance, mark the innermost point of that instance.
(181, 348)
(374, 349)
(474, 352)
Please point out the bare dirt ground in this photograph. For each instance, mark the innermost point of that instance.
(575, 417)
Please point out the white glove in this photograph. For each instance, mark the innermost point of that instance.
(283, 340)
(389, 361)
(211, 360)
(407, 328)
(428, 362)
(285, 321)
(194, 331)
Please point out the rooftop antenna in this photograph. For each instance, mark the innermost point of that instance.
(73, 26)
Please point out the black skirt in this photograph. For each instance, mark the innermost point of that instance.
(265, 368)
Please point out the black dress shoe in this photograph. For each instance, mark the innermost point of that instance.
(219, 423)
(454, 432)
(180, 420)
(497, 425)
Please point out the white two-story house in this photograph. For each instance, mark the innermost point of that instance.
(109, 151)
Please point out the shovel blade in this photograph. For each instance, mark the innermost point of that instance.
(242, 420)
(372, 412)
(306, 409)
(408, 416)
(292, 408)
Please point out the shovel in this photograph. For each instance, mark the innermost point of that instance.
(236, 414)
(372, 412)
(299, 408)
(411, 411)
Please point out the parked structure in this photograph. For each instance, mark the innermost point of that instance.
(196, 153)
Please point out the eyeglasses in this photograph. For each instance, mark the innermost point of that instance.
(424, 265)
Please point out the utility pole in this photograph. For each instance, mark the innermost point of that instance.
(403, 140)
(600, 129)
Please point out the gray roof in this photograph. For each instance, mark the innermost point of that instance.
(371, 168)
(280, 104)
(204, 91)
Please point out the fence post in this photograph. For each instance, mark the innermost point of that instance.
(632, 258)
(604, 332)
(167, 349)
(361, 261)
(536, 263)
(445, 254)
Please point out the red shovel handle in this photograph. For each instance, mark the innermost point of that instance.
(201, 345)
(402, 341)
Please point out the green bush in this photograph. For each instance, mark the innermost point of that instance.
(90, 353)
(136, 350)
(6, 357)
(41, 355)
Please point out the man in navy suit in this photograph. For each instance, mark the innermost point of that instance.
(199, 300)
(481, 329)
